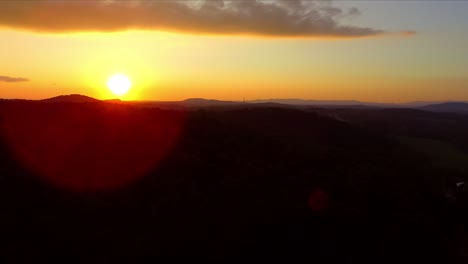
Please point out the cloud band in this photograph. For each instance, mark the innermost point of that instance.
(274, 18)
(12, 79)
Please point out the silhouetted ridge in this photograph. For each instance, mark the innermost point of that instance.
(72, 98)
(308, 102)
(116, 100)
(458, 107)
(206, 102)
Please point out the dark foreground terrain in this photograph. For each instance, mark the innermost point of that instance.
(101, 181)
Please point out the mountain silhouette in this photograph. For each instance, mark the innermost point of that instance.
(435, 106)
(206, 102)
(307, 102)
(454, 107)
(348, 103)
(116, 100)
(72, 98)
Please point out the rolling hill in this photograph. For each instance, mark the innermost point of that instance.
(72, 98)
(453, 107)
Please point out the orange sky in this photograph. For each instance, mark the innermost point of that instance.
(388, 67)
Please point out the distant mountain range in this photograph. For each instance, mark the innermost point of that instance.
(455, 107)
(206, 102)
(349, 103)
(434, 106)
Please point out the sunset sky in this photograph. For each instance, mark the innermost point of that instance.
(382, 51)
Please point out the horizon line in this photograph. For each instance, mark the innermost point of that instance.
(252, 100)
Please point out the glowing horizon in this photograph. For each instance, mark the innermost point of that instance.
(365, 59)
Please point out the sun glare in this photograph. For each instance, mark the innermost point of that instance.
(119, 84)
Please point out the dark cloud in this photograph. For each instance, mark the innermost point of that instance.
(280, 18)
(12, 79)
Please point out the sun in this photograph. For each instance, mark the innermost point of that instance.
(119, 84)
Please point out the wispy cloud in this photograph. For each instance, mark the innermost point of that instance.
(12, 79)
(275, 18)
(408, 33)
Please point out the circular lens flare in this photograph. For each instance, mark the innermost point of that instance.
(89, 147)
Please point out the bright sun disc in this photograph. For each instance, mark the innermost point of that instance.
(119, 84)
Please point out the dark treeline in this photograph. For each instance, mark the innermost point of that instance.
(239, 182)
